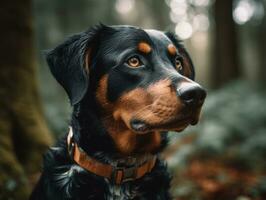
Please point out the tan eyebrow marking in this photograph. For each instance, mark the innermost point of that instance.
(171, 49)
(144, 47)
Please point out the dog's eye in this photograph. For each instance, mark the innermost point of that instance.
(178, 65)
(134, 62)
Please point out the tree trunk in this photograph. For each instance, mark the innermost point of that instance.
(226, 67)
(24, 135)
(261, 39)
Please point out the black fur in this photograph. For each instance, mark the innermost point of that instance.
(62, 178)
(66, 63)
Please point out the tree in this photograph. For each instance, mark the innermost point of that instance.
(226, 66)
(261, 40)
(24, 135)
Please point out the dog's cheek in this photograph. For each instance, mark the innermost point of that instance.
(125, 105)
(130, 103)
(101, 94)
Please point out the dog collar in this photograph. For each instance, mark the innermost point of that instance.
(115, 174)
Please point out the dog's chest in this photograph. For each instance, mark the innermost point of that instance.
(116, 192)
(76, 182)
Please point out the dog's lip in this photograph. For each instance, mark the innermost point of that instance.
(177, 124)
(139, 126)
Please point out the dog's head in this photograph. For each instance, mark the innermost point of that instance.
(141, 79)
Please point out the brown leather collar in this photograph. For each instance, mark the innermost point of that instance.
(115, 174)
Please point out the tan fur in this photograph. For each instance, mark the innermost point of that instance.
(144, 47)
(101, 95)
(171, 49)
(128, 142)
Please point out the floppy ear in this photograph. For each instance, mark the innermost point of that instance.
(68, 62)
(187, 62)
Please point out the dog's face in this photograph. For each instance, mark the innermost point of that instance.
(142, 79)
(147, 81)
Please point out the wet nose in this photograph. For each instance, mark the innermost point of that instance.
(192, 94)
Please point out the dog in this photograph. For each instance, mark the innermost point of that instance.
(128, 87)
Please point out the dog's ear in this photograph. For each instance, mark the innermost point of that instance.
(187, 62)
(70, 60)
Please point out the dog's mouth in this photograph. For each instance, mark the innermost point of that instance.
(174, 124)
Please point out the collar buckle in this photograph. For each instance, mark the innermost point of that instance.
(122, 175)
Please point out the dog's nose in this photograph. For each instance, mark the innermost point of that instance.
(192, 94)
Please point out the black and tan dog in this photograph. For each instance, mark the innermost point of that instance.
(128, 87)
